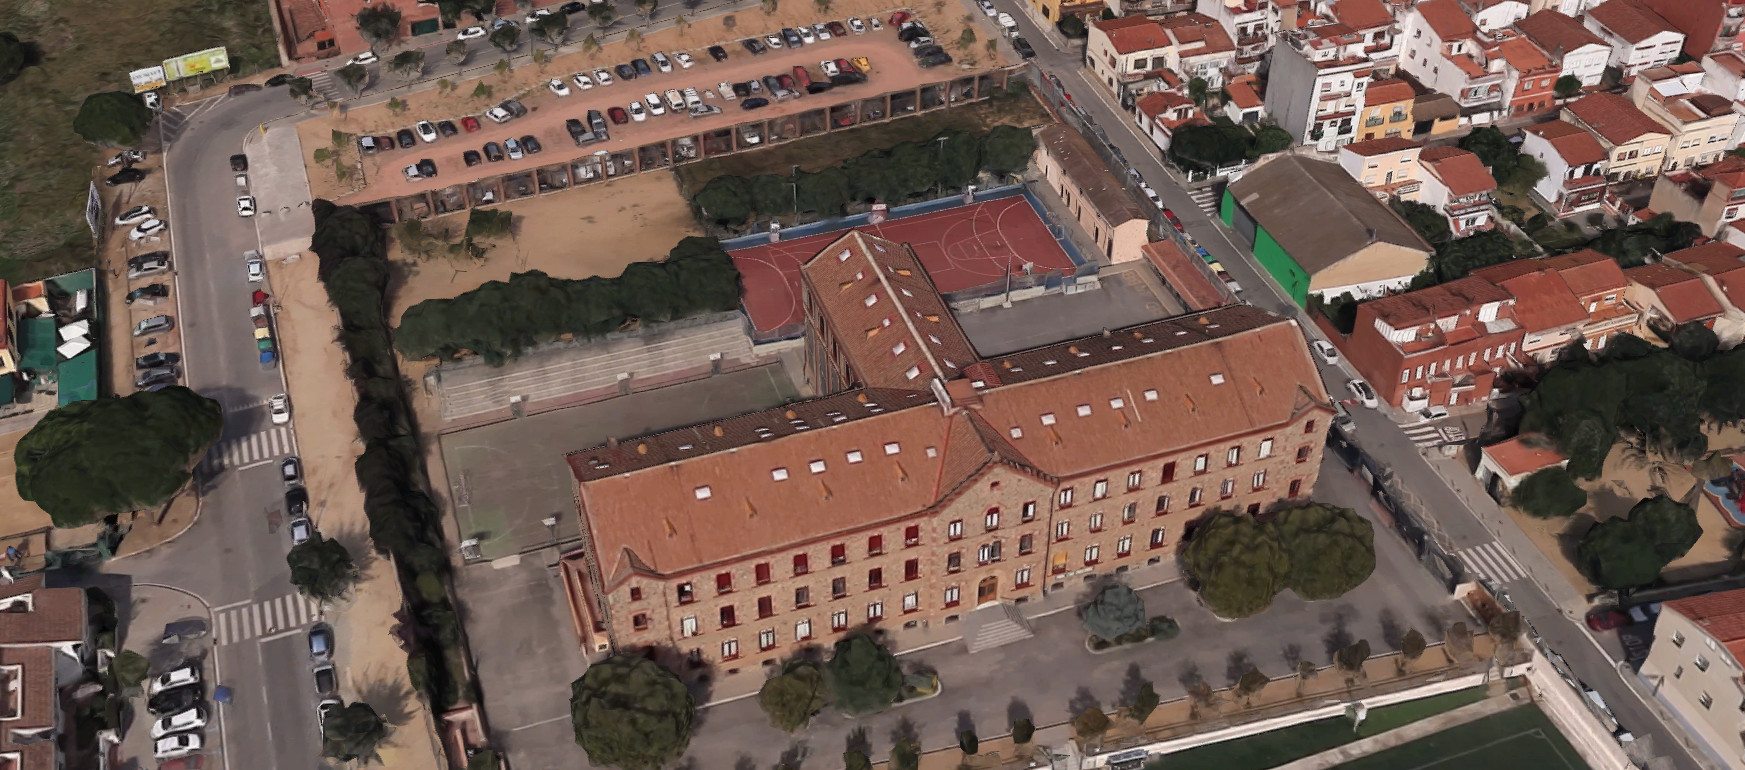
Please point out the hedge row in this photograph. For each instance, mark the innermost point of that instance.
(404, 522)
(500, 319)
(948, 161)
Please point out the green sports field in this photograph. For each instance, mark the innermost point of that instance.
(1518, 738)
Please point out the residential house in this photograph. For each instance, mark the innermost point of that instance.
(1133, 55)
(46, 645)
(1640, 38)
(1701, 124)
(1052, 11)
(1571, 8)
(1149, 7)
(1504, 465)
(1252, 25)
(1575, 167)
(1694, 669)
(1443, 345)
(1712, 196)
(1709, 26)
(1722, 267)
(1160, 113)
(1443, 51)
(1434, 114)
(1724, 74)
(1387, 167)
(1529, 76)
(743, 541)
(1387, 110)
(1317, 231)
(1559, 300)
(1317, 86)
(314, 29)
(1457, 184)
(1577, 50)
(1492, 15)
(1096, 197)
(1634, 142)
(1668, 297)
(1244, 107)
(1371, 21)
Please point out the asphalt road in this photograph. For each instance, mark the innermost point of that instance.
(1458, 513)
(233, 558)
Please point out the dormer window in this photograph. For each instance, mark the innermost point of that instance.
(892, 448)
(779, 474)
(1047, 418)
(817, 466)
(1084, 410)
(854, 456)
(704, 493)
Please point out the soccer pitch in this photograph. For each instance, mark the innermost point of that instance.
(1521, 737)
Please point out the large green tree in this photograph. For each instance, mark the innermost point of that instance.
(505, 38)
(1114, 612)
(112, 119)
(1209, 147)
(378, 24)
(724, 200)
(321, 569)
(1493, 149)
(1427, 221)
(111, 455)
(407, 65)
(630, 713)
(12, 56)
(1634, 245)
(1007, 149)
(792, 697)
(1332, 550)
(864, 676)
(355, 77)
(1549, 493)
(1239, 562)
(1629, 552)
(552, 28)
(353, 732)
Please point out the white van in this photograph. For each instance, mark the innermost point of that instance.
(1008, 24)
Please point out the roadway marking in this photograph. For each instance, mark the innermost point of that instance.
(1492, 561)
(253, 450)
(264, 620)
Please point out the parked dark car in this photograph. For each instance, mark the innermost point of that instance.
(385, 142)
(493, 152)
(618, 115)
(155, 360)
(792, 38)
(786, 81)
(514, 108)
(427, 167)
(530, 144)
(847, 79)
(279, 80)
(239, 163)
(1023, 48)
(741, 90)
(124, 176)
(934, 59)
(753, 103)
(406, 138)
(837, 29)
(320, 642)
(717, 53)
(642, 67)
(625, 72)
(154, 291)
(147, 258)
(819, 87)
(572, 8)
(446, 128)
(927, 50)
(471, 158)
(296, 502)
(597, 123)
(801, 76)
(754, 45)
(243, 88)
(909, 33)
(163, 375)
(175, 699)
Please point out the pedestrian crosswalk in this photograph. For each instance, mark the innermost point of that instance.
(264, 619)
(1206, 198)
(253, 449)
(1434, 435)
(1491, 561)
(323, 84)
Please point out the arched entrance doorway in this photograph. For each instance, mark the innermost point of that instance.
(988, 590)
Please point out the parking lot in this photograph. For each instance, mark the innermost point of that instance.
(893, 66)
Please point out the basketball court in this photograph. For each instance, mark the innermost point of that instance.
(961, 248)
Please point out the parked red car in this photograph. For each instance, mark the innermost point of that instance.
(470, 123)
(1606, 619)
(900, 16)
(801, 75)
(619, 116)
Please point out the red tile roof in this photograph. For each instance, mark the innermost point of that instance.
(1720, 260)
(1543, 302)
(1373, 147)
(1132, 34)
(1573, 143)
(1243, 96)
(1448, 20)
(1629, 20)
(56, 615)
(1362, 14)
(1557, 34)
(1720, 615)
(1613, 117)
(1415, 308)
(1588, 272)
(886, 315)
(1729, 171)
(1683, 294)
(1523, 56)
(1524, 454)
(1458, 170)
(1180, 273)
(1388, 91)
(1198, 35)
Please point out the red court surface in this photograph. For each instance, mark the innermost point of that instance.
(960, 248)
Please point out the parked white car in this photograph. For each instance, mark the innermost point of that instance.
(177, 746)
(135, 215)
(602, 77)
(180, 722)
(582, 81)
(684, 59)
(257, 267)
(245, 205)
(1363, 392)
(280, 408)
(146, 229)
(471, 33)
(1326, 351)
(169, 680)
(367, 57)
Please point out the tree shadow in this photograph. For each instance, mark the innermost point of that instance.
(965, 722)
(1435, 622)
(1236, 665)
(357, 543)
(1189, 675)
(1339, 636)
(1293, 654)
(858, 740)
(1016, 710)
(1391, 630)
(904, 730)
(744, 763)
(1132, 683)
(794, 755)
(1082, 700)
(388, 695)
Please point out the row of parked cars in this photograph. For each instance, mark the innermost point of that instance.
(177, 701)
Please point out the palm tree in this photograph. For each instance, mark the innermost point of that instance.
(681, 22)
(646, 9)
(353, 731)
(769, 7)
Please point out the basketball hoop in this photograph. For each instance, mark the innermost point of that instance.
(879, 213)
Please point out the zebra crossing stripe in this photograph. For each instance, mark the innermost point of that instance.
(266, 619)
(1493, 561)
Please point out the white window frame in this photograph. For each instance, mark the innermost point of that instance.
(687, 626)
(766, 639)
(803, 629)
(875, 610)
(730, 649)
(1093, 553)
(991, 520)
(953, 594)
(1062, 529)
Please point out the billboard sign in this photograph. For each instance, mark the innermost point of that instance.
(196, 63)
(148, 79)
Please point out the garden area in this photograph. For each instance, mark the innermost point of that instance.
(1222, 144)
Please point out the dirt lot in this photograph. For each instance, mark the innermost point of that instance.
(1624, 482)
(327, 442)
(577, 233)
(893, 68)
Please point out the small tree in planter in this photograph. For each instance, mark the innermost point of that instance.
(856, 760)
(1022, 731)
(1305, 671)
(1350, 660)
(1250, 685)
(967, 742)
(1143, 703)
(1165, 627)
(1115, 612)
(1412, 646)
(1090, 724)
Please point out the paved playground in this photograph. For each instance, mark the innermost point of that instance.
(961, 248)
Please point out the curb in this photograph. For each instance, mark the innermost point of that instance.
(199, 508)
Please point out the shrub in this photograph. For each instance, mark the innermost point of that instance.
(1022, 731)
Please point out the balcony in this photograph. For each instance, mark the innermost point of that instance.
(1155, 7)
(1416, 398)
